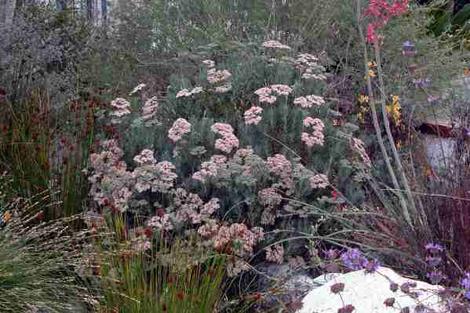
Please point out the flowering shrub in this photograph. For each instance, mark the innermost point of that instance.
(228, 174)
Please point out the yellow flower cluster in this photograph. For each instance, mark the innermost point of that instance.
(363, 107)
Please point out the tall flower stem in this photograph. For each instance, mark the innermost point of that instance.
(396, 156)
(375, 120)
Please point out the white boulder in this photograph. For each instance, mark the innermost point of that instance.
(367, 292)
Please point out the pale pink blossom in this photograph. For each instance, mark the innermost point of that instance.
(149, 110)
(218, 76)
(161, 222)
(223, 89)
(309, 101)
(138, 88)
(209, 63)
(359, 146)
(120, 107)
(275, 254)
(183, 93)
(253, 115)
(180, 127)
(274, 44)
(265, 95)
(227, 143)
(145, 157)
(188, 93)
(315, 135)
(281, 90)
(222, 129)
(319, 181)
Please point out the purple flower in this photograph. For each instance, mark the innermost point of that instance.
(433, 248)
(433, 261)
(353, 259)
(465, 282)
(372, 265)
(331, 254)
(435, 277)
(467, 294)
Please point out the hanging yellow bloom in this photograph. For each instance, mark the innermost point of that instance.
(394, 110)
(363, 99)
(371, 73)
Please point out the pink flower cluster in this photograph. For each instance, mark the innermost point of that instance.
(161, 221)
(281, 167)
(381, 11)
(111, 183)
(274, 44)
(315, 136)
(270, 199)
(210, 168)
(188, 93)
(309, 101)
(145, 157)
(268, 94)
(252, 116)
(308, 66)
(180, 127)
(319, 181)
(229, 141)
(149, 110)
(235, 239)
(275, 254)
(218, 76)
(191, 209)
(120, 107)
(149, 175)
(359, 147)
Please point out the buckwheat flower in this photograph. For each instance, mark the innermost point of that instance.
(311, 140)
(227, 143)
(121, 107)
(138, 88)
(209, 229)
(196, 90)
(253, 115)
(161, 222)
(149, 110)
(183, 93)
(145, 157)
(220, 76)
(315, 123)
(180, 127)
(222, 129)
(275, 254)
(265, 95)
(269, 197)
(274, 44)
(358, 146)
(208, 169)
(281, 90)
(210, 207)
(346, 309)
(224, 88)
(353, 259)
(319, 181)
(209, 63)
